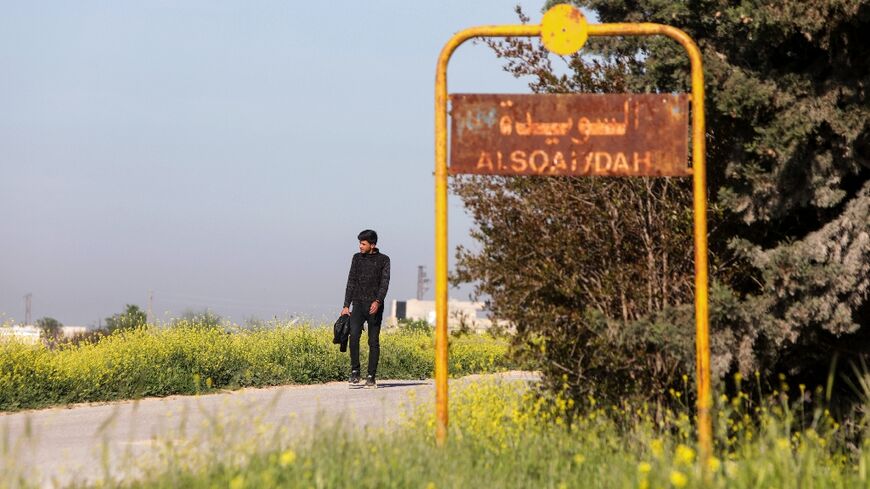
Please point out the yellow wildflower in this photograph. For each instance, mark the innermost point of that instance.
(287, 458)
(678, 479)
(684, 455)
(644, 467)
(657, 448)
(714, 464)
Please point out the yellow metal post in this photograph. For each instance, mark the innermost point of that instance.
(699, 180)
(565, 21)
(441, 206)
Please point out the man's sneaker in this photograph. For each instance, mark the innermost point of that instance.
(354, 377)
(370, 382)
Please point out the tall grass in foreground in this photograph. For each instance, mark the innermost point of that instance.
(189, 358)
(502, 435)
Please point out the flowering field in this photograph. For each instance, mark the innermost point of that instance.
(503, 435)
(188, 358)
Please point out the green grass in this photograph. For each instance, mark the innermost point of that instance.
(502, 435)
(188, 358)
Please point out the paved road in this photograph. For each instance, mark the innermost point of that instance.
(59, 445)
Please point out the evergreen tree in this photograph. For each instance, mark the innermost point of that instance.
(789, 180)
(789, 155)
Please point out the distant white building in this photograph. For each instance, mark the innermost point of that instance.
(31, 334)
(25, 334)
(470, 314)
(69, 331)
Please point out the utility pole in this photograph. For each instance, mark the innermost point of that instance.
(149, 318)
(27, 316)
(422, 282)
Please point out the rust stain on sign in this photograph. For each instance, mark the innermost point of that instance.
(572, 134)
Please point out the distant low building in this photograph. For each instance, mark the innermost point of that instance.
(31, 334)
(69, 331)
(459, 313)
(25, 334)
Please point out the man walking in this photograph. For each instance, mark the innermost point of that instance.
(367, 284)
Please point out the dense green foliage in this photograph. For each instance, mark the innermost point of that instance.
(581, 267)
(789, 158)
(502, 435)
(597, 275)
(189, 358)
(132, 317)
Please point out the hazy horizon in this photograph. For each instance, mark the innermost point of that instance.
(221, 154)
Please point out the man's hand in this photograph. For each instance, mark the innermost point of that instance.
(345, 311)
(374, 308)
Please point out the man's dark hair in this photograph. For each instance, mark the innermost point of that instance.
(368, 235)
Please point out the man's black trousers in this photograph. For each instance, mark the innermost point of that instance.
(358, 315)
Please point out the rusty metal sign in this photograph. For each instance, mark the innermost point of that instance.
(570, 134)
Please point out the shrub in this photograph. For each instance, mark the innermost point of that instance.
(415, 325)
(189, 358)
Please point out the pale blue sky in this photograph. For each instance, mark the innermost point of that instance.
(222, 154)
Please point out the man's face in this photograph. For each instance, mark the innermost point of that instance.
(365, 246)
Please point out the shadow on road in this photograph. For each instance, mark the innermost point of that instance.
(382, 385)
(385, 385)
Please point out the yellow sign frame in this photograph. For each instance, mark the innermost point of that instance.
(563, 19)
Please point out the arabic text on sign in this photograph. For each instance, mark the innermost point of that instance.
(580, 134)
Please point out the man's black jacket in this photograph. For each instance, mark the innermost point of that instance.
(341, 332)
(368, 279)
